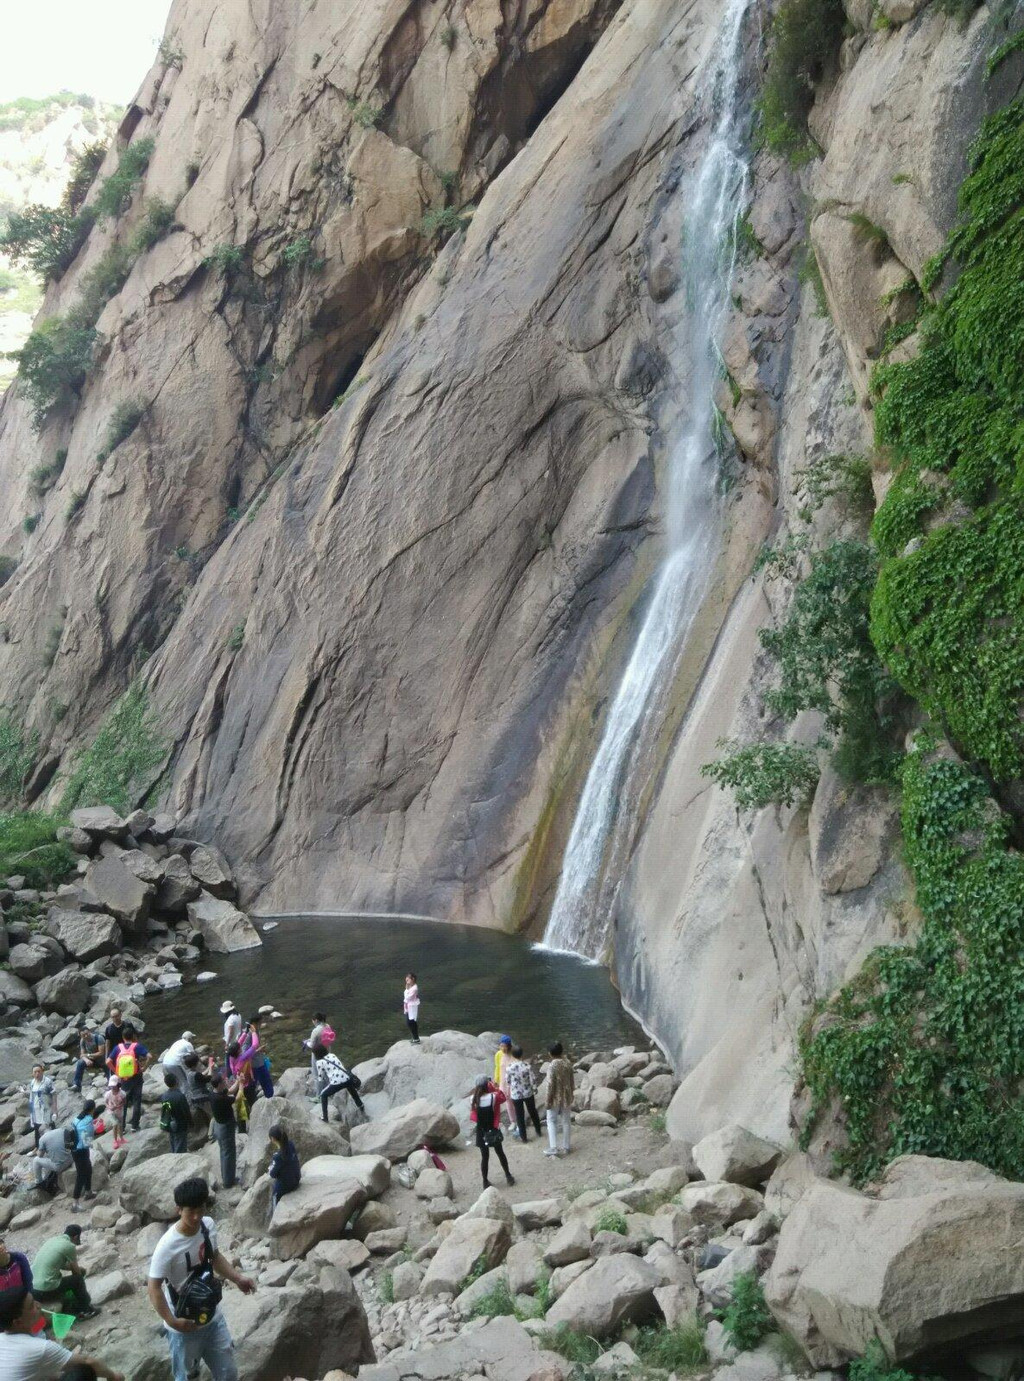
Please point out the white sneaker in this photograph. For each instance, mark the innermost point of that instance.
(550, 1151)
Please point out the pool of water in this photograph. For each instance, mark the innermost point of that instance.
(353, 969)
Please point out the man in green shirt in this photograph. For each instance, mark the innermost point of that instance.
(57, 1275)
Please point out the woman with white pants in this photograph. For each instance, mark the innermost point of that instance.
(559, 1101)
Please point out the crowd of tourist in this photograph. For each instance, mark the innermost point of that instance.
(209, 1095)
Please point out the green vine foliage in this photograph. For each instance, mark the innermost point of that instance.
(948, 613)
(925, 1048)
(764, 774)
(122, 759)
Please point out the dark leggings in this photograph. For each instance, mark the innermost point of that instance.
(332, 1089)
(83, 1172)
(72, 1290)
(522, 1107)
(485, 1156)
(414, 1027)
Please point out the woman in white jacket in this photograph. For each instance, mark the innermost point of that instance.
(411, 1006)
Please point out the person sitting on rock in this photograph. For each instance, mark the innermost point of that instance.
(285, 1171)
(332, 1077)
(53, 1157)
(25, 1355)
(91, 1056)
(15, 1272)
(485, 1111)
(175, 1117)
(184, 1291)
(522, 1088)
(59, 1277)
(42, 1103)
(128, 1060)
(559, 1105)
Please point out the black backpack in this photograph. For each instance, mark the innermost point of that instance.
(201, 1292)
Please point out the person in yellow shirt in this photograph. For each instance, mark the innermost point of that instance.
(502, 1060)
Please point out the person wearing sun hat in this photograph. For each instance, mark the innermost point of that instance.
(232, 1021)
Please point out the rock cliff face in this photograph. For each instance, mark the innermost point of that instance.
(377, 544)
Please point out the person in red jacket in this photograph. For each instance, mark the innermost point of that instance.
(485, 1111)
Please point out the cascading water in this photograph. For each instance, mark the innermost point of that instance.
(716, 193)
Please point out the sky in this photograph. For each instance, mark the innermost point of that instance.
(102, 48)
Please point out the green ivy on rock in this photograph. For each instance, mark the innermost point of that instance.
(948, 611)
(924, 1050)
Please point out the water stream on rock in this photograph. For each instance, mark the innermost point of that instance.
(716, 196)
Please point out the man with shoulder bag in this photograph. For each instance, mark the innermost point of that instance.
(185, 1287)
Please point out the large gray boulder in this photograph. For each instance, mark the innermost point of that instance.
(442, 1068)
(373, 1173)
(398, 1133)
(28, 961)
(14, 989)
(16, 1059)
(148, 1189)
(932, 1264)
(570, 1243)
(501, 1347)
(178, 886)
(311, 1135)
(719, 1204)
(99, 822)
(299, 1330)
(212, 871)
(66, 992)
(616, 1290)
(737, 1156)
(145, 867)
(320, 1208)
(472, 1241)
(225, 928)
(85, 935)
(119, 891)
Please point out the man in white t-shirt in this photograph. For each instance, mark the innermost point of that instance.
(182, 1248)
(27, 1356)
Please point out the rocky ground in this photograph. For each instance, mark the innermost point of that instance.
(620, 1256)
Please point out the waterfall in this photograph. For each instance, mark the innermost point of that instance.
(715, 194)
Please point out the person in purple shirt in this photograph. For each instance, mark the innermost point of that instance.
(15, 1272)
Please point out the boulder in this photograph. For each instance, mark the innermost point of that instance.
(16, 1059)
(28, 961)
(717, 1284)
(400, 1131)
(375, 1218)
(14, 990)
(143, 865)
(178, 886)
(146, 1144)
(720, 1204)
(671, 1225)
(570, 1243)
(590, 1117)
(372, 1173)
(85, 935)
(299, 1330)
(737, 1156)
(788, 1184)
(405, 1280)
(148, 1189)
(470, 1241)
(537, 1213)
(311, 1135)
(616, 1290)
(162, 828)
(318, 1209)
(659, 1090)
(387, 1241)
(99, 822)
(668, 1180)
(252, 1212)
(119, 891)
(850, 830)
(601, 1075)
(66, 992)
(501, 1347)
(211, 870)
(434, 1184)
(605, 1100)
(441, 1068)
(932, 1264)
(467, 1300)
(109, 1286)
(224, 928)
(524, 1265)
(491, 1204)
(345, 1253)
(563, 1276)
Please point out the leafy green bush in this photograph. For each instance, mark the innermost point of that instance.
(45, 239)
(803, 47)
(83, 174)
(746, 1318)
(299, 252)
(386, 1286)
(75, 504)
(497, 1303)
(123, 421)
(115, 195)
(762, 774)
(875, 1366)
(18, 752)
(29, 846)
(611, 1220)
(30, 522)
(54, 362)
(846, 479)
(448, 36)
(365, 114)
(236, 638)
(157, 219)
(117, 767)
(225, 258)
(680, 1349)
(442, 222)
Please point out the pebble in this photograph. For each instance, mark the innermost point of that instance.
(207, 976)
(270, 925)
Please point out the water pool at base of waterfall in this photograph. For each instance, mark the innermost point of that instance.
(353, 969)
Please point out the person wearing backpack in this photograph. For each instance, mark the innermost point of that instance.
(285, 1171)
(175, 1117)
(128, 1060)
(185, 1290)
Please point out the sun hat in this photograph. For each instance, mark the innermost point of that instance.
(113, 1081)
(189, 1036)
(227, 1006)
